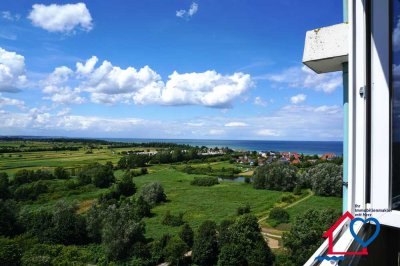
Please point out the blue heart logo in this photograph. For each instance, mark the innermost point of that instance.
(372, 238)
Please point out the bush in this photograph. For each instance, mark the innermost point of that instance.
(205, 181)
(175, 250)
(100, 175)
(280, 215)
(243, 210)
(297, 191)
(61, 226)
(172, 220)
(8, 218)
(186, 234)
(31, 191)
(61, 173)
(153, 193)
(4, 186)
(10, 252)
(288, 198)
(325, 179)
(275, 176)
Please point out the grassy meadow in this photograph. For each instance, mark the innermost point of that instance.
(197, 203)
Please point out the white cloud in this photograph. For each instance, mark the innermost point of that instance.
(7, 15)
(267, 133)
(55, 86)
(236, 124)
(259, 101)
(12, 71)
(194, 7)
(396, 36)
(11, 102)
(299, 98)
(295, 122)
(61, 18)
(303, 77)
(111, 84)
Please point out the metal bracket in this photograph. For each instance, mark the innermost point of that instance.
(345, 184)
(363, 92)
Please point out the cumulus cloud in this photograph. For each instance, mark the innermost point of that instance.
(236, 124)
(61, 18)
(111, 84)
(12, 71)
(303, 77)
(194, 7)
(7, 15)
(296, 122)
(4, 101)
(55, 86)
(299, 98)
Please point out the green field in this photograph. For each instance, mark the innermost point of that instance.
(196, 203)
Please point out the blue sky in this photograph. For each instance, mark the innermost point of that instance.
(166, 69)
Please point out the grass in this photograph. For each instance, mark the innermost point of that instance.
(315, 202)
(202, 203)
(196, 203)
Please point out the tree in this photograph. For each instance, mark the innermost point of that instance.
(250, 246)
(205, 246)
(275, 176)
(186, 234)
(10, 252)
(305, 233)
(142, 208)
(175, 250)
(153, 193)
(280, 215)
(4, 186)
(126, 187)
(61, 173)
(8, 218)
(31, 191)
(232, 255)
(121, 231)
(100, 175)
(325, 179)
(61, 226)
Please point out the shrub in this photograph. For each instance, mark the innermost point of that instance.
(100, 175)
(61, 173)
(172, 220)
(153, 193)
(280, 215)
(4, 186)
(243, 209)
(207, 181)
(8, 218)
(186, 234)
(288, 198)
(10, 252)
(31, 191)
(175, 250)
(297, 191)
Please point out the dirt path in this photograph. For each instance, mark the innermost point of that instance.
(302, 199)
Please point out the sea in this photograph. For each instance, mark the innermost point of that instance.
(305, 147)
